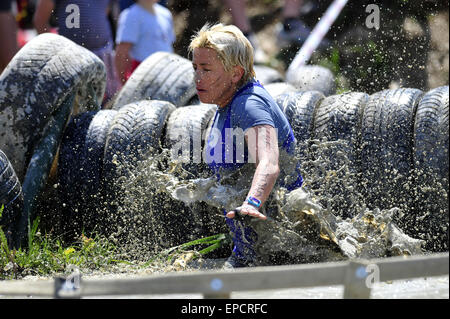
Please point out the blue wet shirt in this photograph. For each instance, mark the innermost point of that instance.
(252, 105)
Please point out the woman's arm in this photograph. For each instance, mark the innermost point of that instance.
(262, 144)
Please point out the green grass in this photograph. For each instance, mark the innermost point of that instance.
(201, 247)
(48, 255)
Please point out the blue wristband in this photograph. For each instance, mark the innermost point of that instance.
(254, 201)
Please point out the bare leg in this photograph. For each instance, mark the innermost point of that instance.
(291, 8)
(239, 14)
(8, 30)
(294, 30)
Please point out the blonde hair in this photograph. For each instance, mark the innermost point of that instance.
(232, 47)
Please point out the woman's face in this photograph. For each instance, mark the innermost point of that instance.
(214, 85)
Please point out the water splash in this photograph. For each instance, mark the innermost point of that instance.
(327, 219)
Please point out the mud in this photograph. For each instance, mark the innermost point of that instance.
(30, 95)
(161, 205)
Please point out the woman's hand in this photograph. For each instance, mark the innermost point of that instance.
(248, 210)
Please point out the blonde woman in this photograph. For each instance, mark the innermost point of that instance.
(222, 58)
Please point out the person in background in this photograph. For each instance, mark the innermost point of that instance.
(240, 19)
(8, 32)
(144, 28)
(93, 31)
(293, 30)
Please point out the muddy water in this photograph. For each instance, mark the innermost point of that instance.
(160, 205)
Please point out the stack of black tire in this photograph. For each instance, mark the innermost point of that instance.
(37, 88)
(396, 146)
(395, 142)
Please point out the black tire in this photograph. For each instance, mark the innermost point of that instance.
(80, 167)
(430, 197)
(70, 164)
(43, 74)
(134, 135)
(187, 130)
(313, 78)
(94, 148)
(336, 132)
(162, 76)
(266, 75)
(431, 134)
(178, 222)
(338, 117)
(386, 146)
(11, 198)
(299, 109)
(278, 88)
